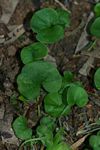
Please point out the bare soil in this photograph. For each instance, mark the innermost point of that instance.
(63, 52)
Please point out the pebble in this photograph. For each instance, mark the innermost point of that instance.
(11, 50)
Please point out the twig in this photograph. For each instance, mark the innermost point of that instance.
(42, 147)
(62, 6)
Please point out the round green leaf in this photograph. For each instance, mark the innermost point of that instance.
(35, 74)
(63, 18)
(97, 79)
(33, 52)
(77, 95)
(68, 76)
(21, 129)
(97, 10)
(43, 19)
(95, 28)
(53, 104)
(50, 35)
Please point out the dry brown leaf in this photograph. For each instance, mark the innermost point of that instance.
(6, 131)
(8, 7)
(76, 145)
(87, 66)
(83, 41)
(89, 63)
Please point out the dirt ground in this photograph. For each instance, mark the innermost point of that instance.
(64, 54)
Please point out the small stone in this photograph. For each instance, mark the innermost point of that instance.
(11, 50)
(50, 59)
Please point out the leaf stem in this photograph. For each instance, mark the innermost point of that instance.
(62, 6)
(30, 140)
(93, 44)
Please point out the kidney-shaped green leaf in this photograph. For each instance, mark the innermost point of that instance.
(77, 95)
(53, 104)
(35, 74)
(51, 35)
(33, 52)
(21, 129)
(95, 28)
(97, 79)
(43, 19)
(49, 24)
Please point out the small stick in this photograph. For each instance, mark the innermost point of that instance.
(62, 6)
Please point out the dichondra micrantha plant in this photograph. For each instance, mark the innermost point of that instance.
(61, 92)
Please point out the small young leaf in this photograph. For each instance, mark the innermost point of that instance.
(68, 76)
(21, 129)
(33, 52)
(51, 34)
(46, 134)
(48, 121)
(53, 104)
(63, 18)
(59, 136)
(58, 143)
(59, 146)
(22, 98)
(77, 95)
(97, 10)
(97, 78)
(43, 19)
(95, 28)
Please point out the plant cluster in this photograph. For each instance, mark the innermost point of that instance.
(61, 92)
